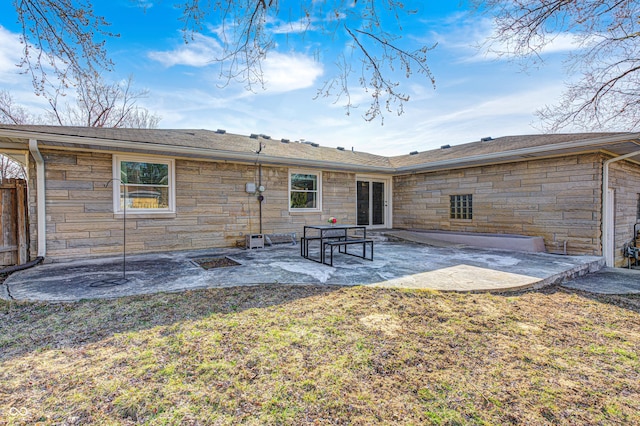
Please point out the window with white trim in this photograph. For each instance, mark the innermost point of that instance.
(305, 191)
(143, 185)
(461, 206)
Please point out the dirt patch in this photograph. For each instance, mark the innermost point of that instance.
(385, 323)
(215, 262)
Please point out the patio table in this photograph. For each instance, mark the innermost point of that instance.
(324, 233)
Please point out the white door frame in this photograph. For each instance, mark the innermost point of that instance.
(388, 200)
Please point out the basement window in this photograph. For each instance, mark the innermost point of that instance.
(461, 206)
(143, 185)
(305, 191)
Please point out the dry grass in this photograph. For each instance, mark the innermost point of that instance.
(319, 355)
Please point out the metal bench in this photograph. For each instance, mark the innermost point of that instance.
(304, 245)
(342, 248)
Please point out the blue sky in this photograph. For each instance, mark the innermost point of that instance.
(476, 94)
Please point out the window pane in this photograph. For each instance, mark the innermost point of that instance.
(302, 182)
(134, 172)
(362, 200)
(461, 206)
(144, 197)
(304, 200)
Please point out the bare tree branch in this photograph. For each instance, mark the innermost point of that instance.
(604, 92)
(104, 105)
(10, 112)
(63, 36)
(97, 104)
(67, 37)
(9, 168)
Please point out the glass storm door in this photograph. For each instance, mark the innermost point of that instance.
(371, 203)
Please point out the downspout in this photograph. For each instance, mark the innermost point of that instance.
(40, 198)
(260, 197)
(607, 251)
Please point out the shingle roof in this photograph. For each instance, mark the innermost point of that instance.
(210, 140)
(209, 143)
(493, 146)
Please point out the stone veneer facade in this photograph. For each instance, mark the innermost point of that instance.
(558, 199)
(212, 207)
(625, 178)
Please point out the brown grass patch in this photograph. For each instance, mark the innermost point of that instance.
(317, 355)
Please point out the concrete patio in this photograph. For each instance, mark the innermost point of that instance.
(396, 264)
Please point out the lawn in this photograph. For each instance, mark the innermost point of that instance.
(279, 354)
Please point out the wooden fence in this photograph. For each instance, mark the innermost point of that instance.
(14, 229)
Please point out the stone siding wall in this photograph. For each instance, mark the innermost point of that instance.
(212, 207)
(557, 199)
(625, 178)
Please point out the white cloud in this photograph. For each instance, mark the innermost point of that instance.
(200, 52)
(10, 54)
(300, 26)
(554, 43)
(281, 72)
(287, 72)
(476, 39)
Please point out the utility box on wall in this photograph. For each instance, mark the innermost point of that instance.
(254, 241)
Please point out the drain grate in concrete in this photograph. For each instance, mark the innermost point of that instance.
(215, 262)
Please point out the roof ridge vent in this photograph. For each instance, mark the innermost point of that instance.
(265, 136)
(313, 144)
(413, 152)
(447, 146)
(284, 140)
(221, 131)
(340, 148)
(254, 136)
(486, 139)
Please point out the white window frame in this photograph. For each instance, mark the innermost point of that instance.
(118, 159)
(318, 173)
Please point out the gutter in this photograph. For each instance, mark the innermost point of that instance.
(40, 197)
(607, 232)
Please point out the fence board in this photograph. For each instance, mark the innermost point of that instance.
(14, 236)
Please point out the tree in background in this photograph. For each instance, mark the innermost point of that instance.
(12, 113)
(606, 58)
(102, 105)
(69, 38)
(97, 104)
(9, 168)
